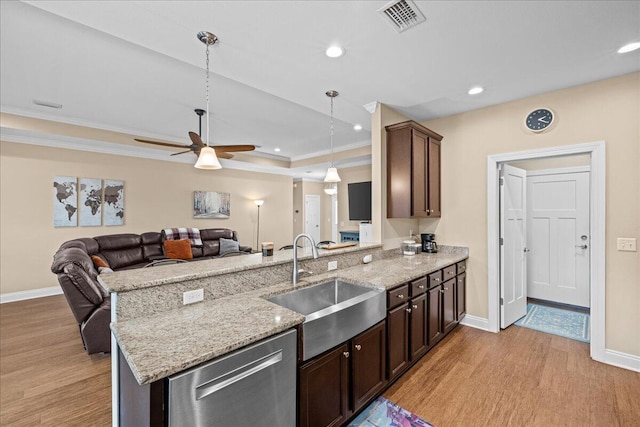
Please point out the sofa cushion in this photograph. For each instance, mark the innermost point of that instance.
(118, 241)
(151, 245)
(228, 245)
(210, 248)
(217, 233)
(178, 249)
(99, 262)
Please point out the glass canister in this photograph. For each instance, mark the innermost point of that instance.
(407, 248)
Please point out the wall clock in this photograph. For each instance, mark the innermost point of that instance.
(539, 119)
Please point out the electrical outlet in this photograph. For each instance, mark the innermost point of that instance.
(190, 297)
(626, 244)
(333, 265)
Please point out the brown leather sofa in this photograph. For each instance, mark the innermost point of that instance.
(78, 276)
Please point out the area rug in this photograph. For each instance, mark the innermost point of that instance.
(383, 413)
(566, 323)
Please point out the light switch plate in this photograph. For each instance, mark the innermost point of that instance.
(627, 244)
(190, 297)
(332, 265)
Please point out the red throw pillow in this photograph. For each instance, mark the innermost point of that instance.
(178, 249)
(99, 262)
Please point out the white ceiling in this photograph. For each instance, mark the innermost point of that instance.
(137, 66)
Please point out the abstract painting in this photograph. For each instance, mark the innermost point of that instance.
(113, 202)
(90, 202)
(65, 201)
(211, 204)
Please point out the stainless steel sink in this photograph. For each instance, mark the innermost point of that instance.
(335, 311)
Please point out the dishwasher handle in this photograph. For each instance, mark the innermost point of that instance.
(236, 375)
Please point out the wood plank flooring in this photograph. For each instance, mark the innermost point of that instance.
(519, 377)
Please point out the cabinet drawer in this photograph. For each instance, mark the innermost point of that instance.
(449, 272)
(462, 267)
(397, 296)
(435, 279)
(419, 287)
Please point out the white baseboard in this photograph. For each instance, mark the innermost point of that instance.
(621, 360)
(33, 293)
(475, 322)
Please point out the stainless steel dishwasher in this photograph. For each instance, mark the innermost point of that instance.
(254, 386)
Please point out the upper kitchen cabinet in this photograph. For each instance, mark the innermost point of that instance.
(413, 171)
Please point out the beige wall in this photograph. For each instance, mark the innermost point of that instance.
(554, 162)
(158, 194)
(349, 175)
(608, 110)
(298, 209)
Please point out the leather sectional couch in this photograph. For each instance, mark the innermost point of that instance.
(77, 274)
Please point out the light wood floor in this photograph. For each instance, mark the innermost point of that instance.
(519, 377)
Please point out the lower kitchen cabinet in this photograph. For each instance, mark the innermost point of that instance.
(341, 381)
(324, 389)
(434, 315)
(461, 289)
(449, 314)
(418, 326)
(398, 340)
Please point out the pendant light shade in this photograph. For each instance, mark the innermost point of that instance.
(332, 172)
(331, 188)
(208, 159)
(332, 175)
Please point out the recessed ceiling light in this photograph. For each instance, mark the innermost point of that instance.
(277, 149)
(475, 90)
(357, 127)
(47, 104)
(334, 51)
(629, 47)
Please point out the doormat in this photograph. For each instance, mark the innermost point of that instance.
(565, 323)
(383, 413)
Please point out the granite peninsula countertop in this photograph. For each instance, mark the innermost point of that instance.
(128, 280)
(167, 343)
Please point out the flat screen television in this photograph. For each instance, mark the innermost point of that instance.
(359, 201)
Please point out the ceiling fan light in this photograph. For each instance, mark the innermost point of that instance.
(208, 159)
(332, 175)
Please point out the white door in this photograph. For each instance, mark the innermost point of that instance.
(513, 238)
(558, 227)
(312, 216)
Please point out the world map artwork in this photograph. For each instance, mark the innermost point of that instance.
(113, 202)
(90, 201)
(65, 201)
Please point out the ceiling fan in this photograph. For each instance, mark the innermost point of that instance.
(222, 151)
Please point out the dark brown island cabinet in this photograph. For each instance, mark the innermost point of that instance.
(413, 171)
(335, 385)
(338, 383)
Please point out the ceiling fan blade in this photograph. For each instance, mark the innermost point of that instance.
(227, 148)
(182, 152)
(165, 144)
(195, 138)
(223, 155)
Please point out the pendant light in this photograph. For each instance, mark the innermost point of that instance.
(332, 172)
(207, 158)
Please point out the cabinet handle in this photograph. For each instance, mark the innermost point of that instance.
(420, 286)
(346, 354)
(415, 307)
(358, 347)
(400, 296)
(442, 291)
(437, 279)
(446, 289)
(408, 310)
(450, 273)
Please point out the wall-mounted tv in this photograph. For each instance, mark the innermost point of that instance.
(360, 201)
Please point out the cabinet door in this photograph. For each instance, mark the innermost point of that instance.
(324, 394)
(434, 315)
(434, 178)
(418, 326)
(419, 177)
(449, 314)
(461, 289)
(368, 364)
(398, 340)
(399, 173)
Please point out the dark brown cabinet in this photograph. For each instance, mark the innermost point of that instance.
(324, 389)
(434, 316)
(368, 365)
(398, 340)
(341, 381)
(418, 326)
(449, 315)
(413, 171)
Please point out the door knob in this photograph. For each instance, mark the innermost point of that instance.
(581, 246)
(527, 250)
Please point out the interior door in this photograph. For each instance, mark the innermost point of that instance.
(558, 232)
(312, 216)
(513, 248)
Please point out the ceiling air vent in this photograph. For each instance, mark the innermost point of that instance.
(403, 14)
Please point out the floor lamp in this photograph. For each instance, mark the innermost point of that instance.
(258, 204)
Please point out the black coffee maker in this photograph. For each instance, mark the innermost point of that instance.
(429, 244)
